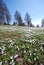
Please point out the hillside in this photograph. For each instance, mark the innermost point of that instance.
(21, 45)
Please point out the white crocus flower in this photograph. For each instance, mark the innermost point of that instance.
(5, 61)
(32, 40)
(12, 60)
(16, 56)
(34, 53)
(3, 47)
(13, 63)
(16, 46)
(34, 59)
(30, 54)
(10, 41)
(25, 51)
(2, 52)
(41, 48)
(29, 60)
(35, 49)
(11, 57)
(1, 63)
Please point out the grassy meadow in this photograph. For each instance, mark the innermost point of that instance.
(21, 45)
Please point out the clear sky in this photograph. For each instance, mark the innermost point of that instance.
(34, 7)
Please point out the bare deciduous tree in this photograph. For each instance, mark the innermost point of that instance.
(43, 22)
(18, 18)
(4, 13)
(28, 19)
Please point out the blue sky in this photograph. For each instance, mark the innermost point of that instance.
(34, 7)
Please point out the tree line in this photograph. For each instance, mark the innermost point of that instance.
(5, 17)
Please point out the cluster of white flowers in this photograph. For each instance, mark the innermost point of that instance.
(35, 55)
(24, 40)
(12, 61)
(25, 49)
(28, 41)
(32, 40)
(17, 47)
(8, 40)
(2, 50)
(11, 44)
